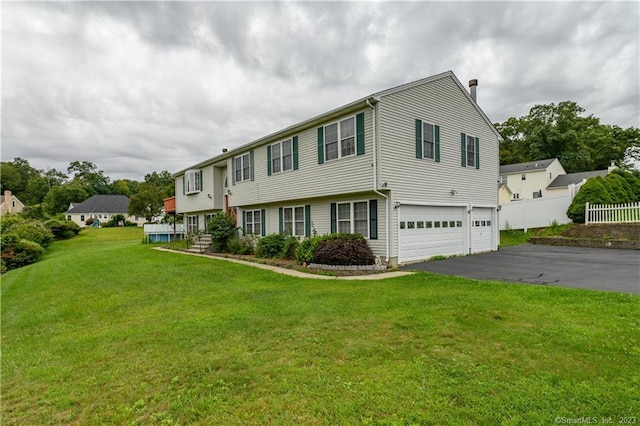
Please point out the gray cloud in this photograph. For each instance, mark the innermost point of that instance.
(145, 86)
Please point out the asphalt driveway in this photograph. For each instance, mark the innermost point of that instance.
(587, 268)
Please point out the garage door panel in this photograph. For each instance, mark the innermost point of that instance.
(427, 231)
(481, 230)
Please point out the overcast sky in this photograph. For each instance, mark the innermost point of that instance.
(137, 87)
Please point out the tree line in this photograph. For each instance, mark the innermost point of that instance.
(581, 143)
(47, 193)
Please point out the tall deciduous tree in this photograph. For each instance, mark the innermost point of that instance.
(87, 174)
(560, 131)
(148, 202)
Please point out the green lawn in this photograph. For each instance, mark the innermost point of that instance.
(106, 330)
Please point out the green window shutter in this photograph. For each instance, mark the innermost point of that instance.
(233, 171)
(418, 138)
(307, 220)
(269, 160)
(360, 134)
(334, 218)
(244, 222)
(373, 219)
(184, 186)
(263, 223)
(200, 177)
(477, 153)
(281, 220)
(251, 168)
(320, 145)
(295, 153)
(463, 149)
(437, 140)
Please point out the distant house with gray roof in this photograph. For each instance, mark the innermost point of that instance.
(101, 208)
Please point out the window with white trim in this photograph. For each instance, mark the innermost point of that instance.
(340, 139)
(353, 218)
(471, 151)
(192, 224)
(242, 167)
(192, 181)
(293, 221)
(428, 141)
(282, 156)
(253, 222)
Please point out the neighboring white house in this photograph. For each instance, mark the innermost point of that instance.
(101, 208)
(413, 169)
(528, 180)
(10, 204)
(538, 193)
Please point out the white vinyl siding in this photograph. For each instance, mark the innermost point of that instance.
(351, 174)
(411, 179)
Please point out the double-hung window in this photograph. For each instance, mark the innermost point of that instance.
(192, 181)
(293, 221)
(427, 140)
(242, 167)
(470, 151)
(253, 222)
(340, 140)
(353, 218)
(282, 156)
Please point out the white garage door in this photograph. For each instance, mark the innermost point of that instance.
(481, 230)
(427, 231)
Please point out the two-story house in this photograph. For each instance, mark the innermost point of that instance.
(412, 169)
(528, 180)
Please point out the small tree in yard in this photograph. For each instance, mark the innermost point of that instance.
(222, 228)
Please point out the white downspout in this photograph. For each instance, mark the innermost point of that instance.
(375, 180)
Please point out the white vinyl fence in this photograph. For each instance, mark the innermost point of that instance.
(535, 213)
(612, 213)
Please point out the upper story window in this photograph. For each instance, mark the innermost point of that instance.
(243, 167)
(470, 151)
(343, 138)
(282, 156)
(524, 176)
(339, 139)
(192, 181)
(427, 140)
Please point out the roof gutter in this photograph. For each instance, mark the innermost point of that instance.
(375, 174)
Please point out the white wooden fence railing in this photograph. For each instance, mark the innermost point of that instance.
(612, 213)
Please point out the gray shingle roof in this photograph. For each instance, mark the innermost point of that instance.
(565, 180)
(102, 204)
(526, 167)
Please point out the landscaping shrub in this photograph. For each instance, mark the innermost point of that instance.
(304, 251)
(241, 245)
(62, 229)
(33, 230)
(343, 249)
(222, 228)
(17, 252)
(271, 246)
(594, 192)
(291, 244)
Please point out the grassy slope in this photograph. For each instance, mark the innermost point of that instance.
(107, 331)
